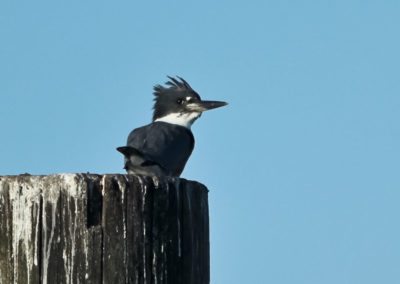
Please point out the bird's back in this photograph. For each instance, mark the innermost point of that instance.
(164, 144)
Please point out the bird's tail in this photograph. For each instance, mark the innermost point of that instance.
(137, 162)
(127, 151)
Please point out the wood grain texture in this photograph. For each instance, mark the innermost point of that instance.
(87, 228)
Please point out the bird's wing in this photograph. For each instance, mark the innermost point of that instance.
(167, 145)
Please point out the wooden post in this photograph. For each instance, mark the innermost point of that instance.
(87, 228)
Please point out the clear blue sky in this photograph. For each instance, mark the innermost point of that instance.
(302, 166)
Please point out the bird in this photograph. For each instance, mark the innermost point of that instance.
(163, 147)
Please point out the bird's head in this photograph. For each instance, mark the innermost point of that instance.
(178, 103)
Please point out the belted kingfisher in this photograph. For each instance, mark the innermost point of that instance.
(163, 147)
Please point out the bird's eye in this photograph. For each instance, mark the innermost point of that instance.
(179, 101)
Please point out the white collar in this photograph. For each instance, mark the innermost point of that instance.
(180, 118)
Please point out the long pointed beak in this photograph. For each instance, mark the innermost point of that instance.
(205, 105)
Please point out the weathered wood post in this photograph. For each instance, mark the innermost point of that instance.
(86, 228)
